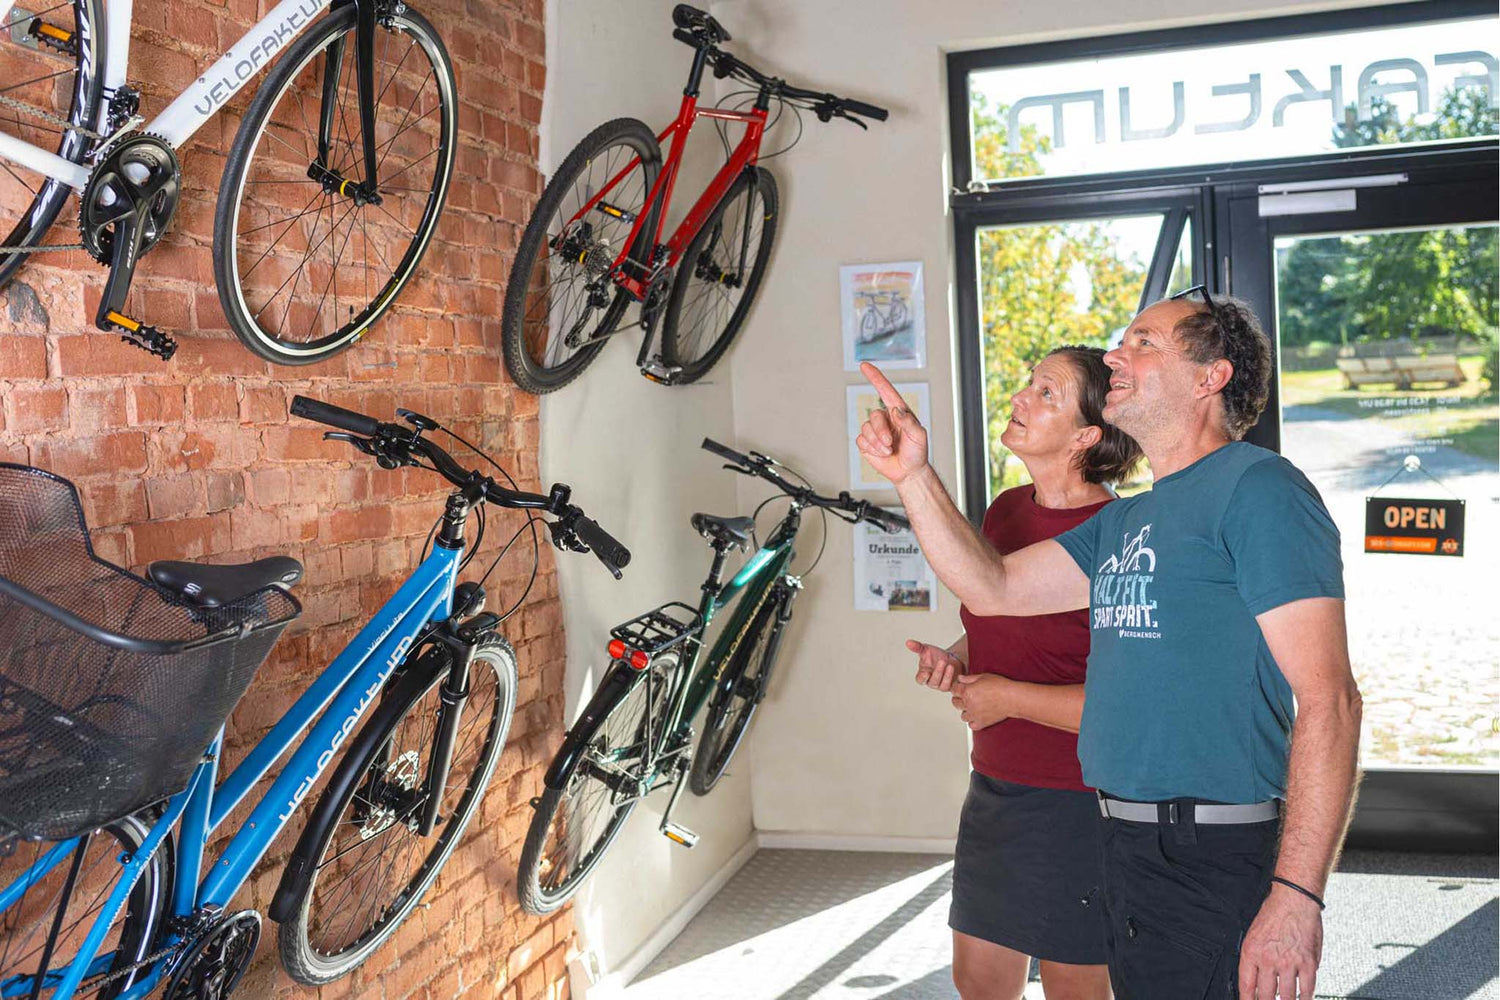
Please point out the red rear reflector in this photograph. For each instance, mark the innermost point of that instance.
(616, 649)
(639, 660)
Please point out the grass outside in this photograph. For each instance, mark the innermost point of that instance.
(1466, 415)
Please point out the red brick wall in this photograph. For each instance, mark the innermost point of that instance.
(197, 459)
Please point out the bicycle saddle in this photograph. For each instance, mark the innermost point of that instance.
(730, 530)
(212, 586)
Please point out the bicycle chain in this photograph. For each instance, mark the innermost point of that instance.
(94, 985)
(51, 119)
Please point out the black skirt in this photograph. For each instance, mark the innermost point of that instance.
(1026, 874)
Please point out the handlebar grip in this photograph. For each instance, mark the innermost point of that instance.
(889, 520)
(334, 416)
(709, 444)
(610, 552)
(868, 110)
(686, 37)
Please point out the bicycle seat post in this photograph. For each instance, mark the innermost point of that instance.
(714, 582)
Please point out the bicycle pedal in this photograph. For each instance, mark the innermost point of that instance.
(659, 372)
(143, 335)
(679, 834)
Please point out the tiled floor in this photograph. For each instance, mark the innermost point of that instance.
(823, 925)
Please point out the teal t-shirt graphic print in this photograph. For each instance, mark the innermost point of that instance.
(1183, 697)
(1119, 597)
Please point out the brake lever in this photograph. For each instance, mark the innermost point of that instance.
(564, 539)
(851, 118)
(364, 444)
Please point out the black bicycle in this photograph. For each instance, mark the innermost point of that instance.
(636, 735)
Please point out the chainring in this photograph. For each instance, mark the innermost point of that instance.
(137, 180)
(216, 960)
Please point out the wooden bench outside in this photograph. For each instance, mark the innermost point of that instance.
(1401, 362)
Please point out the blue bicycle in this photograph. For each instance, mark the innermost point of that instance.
(114, 690)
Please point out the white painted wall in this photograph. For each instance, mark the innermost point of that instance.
(848, 747)
(630, 450)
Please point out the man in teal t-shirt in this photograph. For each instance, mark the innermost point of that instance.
(1220, 709)
(1183, 698)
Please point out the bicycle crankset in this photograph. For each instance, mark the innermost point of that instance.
(216, 960)
(126, 208)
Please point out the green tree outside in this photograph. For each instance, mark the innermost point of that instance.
(1040, 286)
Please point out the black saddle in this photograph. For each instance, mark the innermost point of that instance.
(212, 586)
(736, 531)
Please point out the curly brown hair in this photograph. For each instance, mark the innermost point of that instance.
(1115, 453)
(1229, 329)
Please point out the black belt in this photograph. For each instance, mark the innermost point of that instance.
(1151, 812)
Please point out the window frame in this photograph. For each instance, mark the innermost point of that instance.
(961, 64)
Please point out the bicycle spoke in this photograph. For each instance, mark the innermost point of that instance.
(39, 79)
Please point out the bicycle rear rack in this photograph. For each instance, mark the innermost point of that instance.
(659, 630)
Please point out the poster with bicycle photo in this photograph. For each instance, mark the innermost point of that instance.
(881, 306)
(889, 571)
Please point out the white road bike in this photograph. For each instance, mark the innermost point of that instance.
(331, 191)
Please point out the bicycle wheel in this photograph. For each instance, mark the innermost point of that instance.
(370, 867)
(718, 277)
(303, 267)
(734, 705)
(560, 302)
(26, 925)
(51, 62)
(574, 825)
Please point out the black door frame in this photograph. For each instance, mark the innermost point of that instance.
(1414, 808)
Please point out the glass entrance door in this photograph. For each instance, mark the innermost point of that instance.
(1388, 389)
(1382, 303)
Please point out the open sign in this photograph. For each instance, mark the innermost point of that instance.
(1414, 527)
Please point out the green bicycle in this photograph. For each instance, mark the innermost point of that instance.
(635, 735)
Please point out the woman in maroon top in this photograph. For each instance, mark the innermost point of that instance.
(1026, 870)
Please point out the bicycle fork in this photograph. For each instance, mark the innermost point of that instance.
(453, 693)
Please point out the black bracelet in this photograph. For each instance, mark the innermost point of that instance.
(1297, 888)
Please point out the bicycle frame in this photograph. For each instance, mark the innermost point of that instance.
(202, 99)
(745, 154)
(341, 693)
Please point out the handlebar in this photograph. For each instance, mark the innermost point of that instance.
(701, 31)
(393, 445)
(334, 416)
(760, 466)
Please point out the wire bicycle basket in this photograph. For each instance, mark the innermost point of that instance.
(111, 688)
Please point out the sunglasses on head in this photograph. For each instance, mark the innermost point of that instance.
(1208, 300)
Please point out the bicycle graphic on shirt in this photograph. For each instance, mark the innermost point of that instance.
(1131, 555)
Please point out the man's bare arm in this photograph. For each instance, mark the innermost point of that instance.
(1308, 640)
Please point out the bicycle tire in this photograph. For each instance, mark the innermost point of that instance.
(229, 240)
(146, 909)
(539, 895)
(83, 110)
(518, 324)
(734, 703)
(700, 270)
(372, 818)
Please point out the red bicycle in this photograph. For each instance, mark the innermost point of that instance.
(593, 245)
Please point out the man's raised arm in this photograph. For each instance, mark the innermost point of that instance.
(1039, 579)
